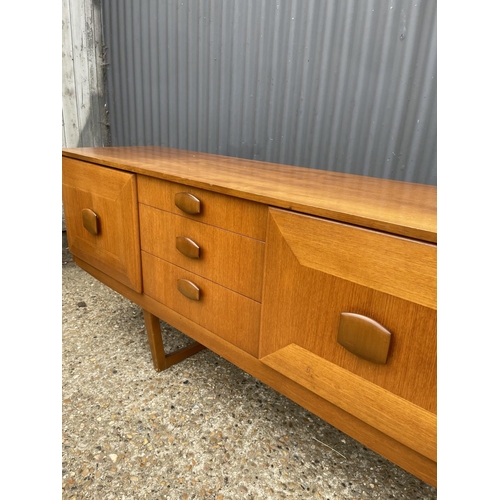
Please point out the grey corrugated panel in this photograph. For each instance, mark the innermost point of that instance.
(342, 85)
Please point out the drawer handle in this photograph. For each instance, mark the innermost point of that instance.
(90, 221)
(188, 289)
(364, 337)
(187, 247)
(188, 203)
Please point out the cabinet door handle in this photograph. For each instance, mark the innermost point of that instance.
(90, 221)
(188, 289)
(188, 203)
(364, 337)
(187, 247)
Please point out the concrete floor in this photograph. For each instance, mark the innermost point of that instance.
(202, 429)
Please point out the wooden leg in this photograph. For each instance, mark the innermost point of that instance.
(155, 341)
(160, 359)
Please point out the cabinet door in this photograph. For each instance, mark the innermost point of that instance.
(102, 222)
(317, 274)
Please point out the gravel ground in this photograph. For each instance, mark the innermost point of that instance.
(202, 429)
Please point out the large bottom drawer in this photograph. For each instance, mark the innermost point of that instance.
(229, 315)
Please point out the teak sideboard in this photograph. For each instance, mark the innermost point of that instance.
(320, 284)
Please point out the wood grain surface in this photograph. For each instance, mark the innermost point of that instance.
(395, 416)
(112, 196)
(233, 214)
(228, 314)
(302, 305)
(227, 258)
(397, 266)
(396, 207)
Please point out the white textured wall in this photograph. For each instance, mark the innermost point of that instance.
(83, 94)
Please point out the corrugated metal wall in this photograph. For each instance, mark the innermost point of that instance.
(343, 85)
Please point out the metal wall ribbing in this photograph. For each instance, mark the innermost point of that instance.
(342, 85)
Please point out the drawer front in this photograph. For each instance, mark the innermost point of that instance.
(316, 297)
(102, 221)
(394, 265)
(227, 258)
(229, 315)
(240, 216)
(336, 296)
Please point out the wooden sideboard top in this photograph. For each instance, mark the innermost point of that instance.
(396, 207)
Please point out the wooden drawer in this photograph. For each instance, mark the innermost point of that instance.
(227, 258)
(315, 271)
(102, 222)
(240, 216)
(229, 315)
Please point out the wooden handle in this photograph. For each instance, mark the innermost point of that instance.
(187, 247)
(188, 289)
(364, 337)
(188, 203)
(90, 221)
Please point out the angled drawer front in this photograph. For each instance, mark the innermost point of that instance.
(230, 315)
(227, 258)
(102, 222)
(233, 214)
(351, 311)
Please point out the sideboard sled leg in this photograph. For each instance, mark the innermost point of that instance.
(161, 360)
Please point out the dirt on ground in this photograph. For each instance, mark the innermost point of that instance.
(66, 256)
